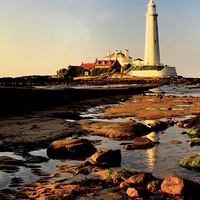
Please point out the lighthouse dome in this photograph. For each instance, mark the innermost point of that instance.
(151, 7)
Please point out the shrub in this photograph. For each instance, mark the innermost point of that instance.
(149, 67)
(99, 71)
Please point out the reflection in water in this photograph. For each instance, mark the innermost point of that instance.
(152, 153)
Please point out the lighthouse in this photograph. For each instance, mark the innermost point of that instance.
(152, 52)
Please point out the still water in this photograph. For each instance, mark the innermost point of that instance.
(162, 160)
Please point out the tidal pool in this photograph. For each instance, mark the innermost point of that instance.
(162, 160)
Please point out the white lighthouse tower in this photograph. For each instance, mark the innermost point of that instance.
(152, 52)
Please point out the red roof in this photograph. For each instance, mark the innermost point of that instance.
(87, 65)
(104, 62)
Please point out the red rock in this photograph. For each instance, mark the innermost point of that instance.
(107, 157)
(130, 120)
(124, 185)
(140, 143)
(115, 181)
(132, 192)
(172, 185)
(186, 125)
(180, 124)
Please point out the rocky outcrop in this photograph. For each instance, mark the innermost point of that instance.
(140, 143)
(180, 187)
(70, 148)
(126, 185)
(118, 130)
(106, 157)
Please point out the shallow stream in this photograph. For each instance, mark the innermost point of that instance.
(162, 161)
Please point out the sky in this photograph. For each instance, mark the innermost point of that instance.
(38, 37)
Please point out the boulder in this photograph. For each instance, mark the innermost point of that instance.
(140, 143)
(191, 162)
(194, 131)
(107, 157)
(174, 185)
(70, 148)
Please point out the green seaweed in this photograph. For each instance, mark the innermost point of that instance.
(108, 173)
(194, 132)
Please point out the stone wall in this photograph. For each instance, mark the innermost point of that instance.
(167, 71)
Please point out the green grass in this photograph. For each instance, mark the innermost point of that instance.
(149, 67)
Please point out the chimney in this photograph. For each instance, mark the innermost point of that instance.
(108, 53)
(116, 52)
(126, 53)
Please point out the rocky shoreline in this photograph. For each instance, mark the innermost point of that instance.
(37, 129)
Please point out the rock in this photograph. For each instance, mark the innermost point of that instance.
(70, 148)
(154, 185)
(130, 120)
(191, 144)
(159, 126)
(186, 126)
(180, 124)
(140, 179)
(194, 131)
(191, 162)
(124, 184)
(118, 130)
(107, 157)
(172, 185)
(132, 192)
(140, 143)
(177, 186)
(182, 132)
(137, 193)
(170, 122)
(175, 142)
(195, 141)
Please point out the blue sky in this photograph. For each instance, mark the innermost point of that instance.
(38, 37)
